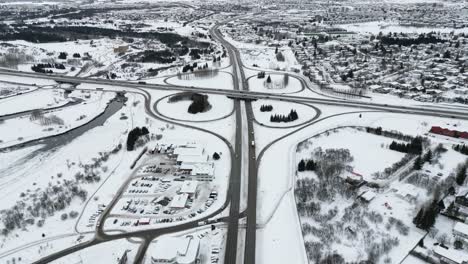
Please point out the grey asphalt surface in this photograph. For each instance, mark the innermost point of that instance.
(250, 95)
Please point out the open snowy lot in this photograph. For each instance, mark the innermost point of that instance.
(221, 80)
(43, 98)
(276, 185)
(305, 112)
(370, 152)
(108, 252)
(28, 127)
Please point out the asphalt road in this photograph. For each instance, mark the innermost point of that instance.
(251, 211)
(230, 256)
(250, 95)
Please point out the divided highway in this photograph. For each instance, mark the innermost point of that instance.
(250, 95)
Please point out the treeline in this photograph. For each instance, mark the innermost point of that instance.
(306, 165)
(292, 116)
(463, 149)
(460, 173)
(421, 39)
(195, 53)
(427, 215)
(134, 135)
(34, 37)
(414, 147)
(42, 66)
(390, 134)
(41, 34)
(266, 108)
(159, 56)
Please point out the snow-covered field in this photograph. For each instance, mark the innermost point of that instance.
(264, 56)
(370, 152)
(222, 80)
(305, 112)
(108, 252)
(43, 98)
(276, 182)
(23, 129)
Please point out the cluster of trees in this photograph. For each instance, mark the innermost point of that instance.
(199, 104)
(34, 37)
(426, 216)
(266, 108)
(13, 57)
(292, 116)
(414, 147)
(391, 134)
(279, 56)
(306, 165)
(348, 75)
(40, 70)
(195, 53)
(134, 135)
(420, 160)
(393, 168)
(41, 67)
(40, 204)
(462, 148)
(261, 75)
(157, 56)
(63, 55)
(189, 67)
(421, 39)
(460, 175)
(76, 55)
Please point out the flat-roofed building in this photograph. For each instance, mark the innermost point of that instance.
(175, 250)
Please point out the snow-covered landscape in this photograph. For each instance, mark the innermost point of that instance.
(325, 132)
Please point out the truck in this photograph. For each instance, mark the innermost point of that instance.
(253, 143)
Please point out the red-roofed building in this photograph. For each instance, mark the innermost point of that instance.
(463, 135)
(436, 130)
(449, 133)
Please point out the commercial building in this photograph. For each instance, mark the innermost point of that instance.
(179, 201)
(176, 250)
(450, 256)
(460, 231)
(189, 187)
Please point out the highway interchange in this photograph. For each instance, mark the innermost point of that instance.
(244, 161)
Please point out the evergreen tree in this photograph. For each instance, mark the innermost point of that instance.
(216, 156)
(417, 163)
(428, 156)
(310, 165)
(301, 165)
(268, 80)
(461, 175)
